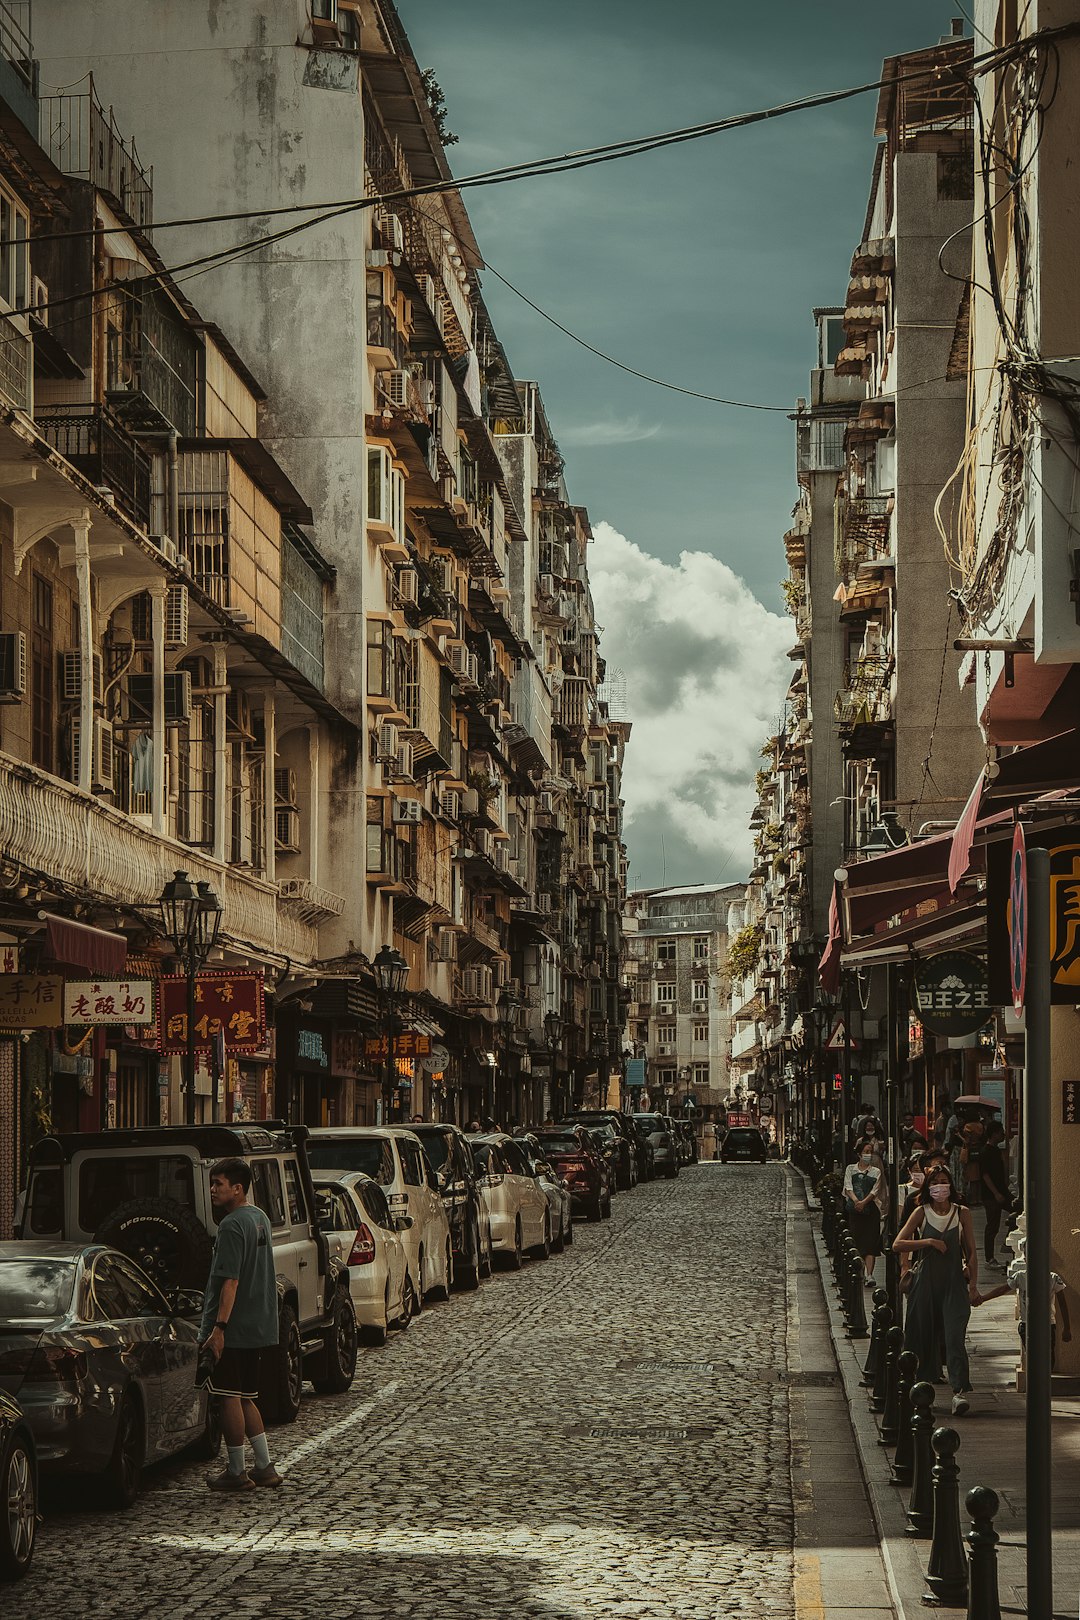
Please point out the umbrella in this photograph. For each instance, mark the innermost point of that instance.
(977, 1102)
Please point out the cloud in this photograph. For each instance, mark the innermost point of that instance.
(705, 673)
(625, 430)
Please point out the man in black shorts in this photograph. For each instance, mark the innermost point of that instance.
(239, 1320)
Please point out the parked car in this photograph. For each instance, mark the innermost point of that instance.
(393, 1156)
(147, 1193)
(665, 1150)
(678, 1140)
(627, 1139)
(743, 1142)
(516, 1204)
(609, 1145)
(366, 1238)
(573, 1151)
(18, 1490)
(447, 1150)
(101, 1364)
(556, 1191)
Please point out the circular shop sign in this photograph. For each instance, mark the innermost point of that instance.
(950, 993)
(1018, 918)
(436, 1060)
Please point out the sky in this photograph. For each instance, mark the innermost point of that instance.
(700, 265)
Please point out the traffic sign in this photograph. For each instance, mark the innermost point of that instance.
(1018, 918)
(839, 1037)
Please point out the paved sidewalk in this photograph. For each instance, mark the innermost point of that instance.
(991, 1453)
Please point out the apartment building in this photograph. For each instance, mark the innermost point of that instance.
(679, 1014)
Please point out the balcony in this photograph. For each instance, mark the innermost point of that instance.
(302, 615)
(16, 365)
(90, 437)
(18, 70)
(83, 141)
(862, 533)
(91, 849)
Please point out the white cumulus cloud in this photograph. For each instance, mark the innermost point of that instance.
(705, 673)
(610, 431)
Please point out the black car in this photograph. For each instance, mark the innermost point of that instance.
(575, 1154)
(18, 1490)
(101, 1364)
(743, 1142)
(450, 1156)
(629, 1140)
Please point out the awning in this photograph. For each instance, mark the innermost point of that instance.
(76, 945)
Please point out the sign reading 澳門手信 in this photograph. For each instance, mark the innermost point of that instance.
(31, 1001)
(950, 993)
(109, 1001)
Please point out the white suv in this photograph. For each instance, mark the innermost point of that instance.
(393, 1156)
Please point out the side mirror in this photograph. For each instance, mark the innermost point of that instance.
(402, 1223)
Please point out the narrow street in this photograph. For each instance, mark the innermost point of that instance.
(605, 1434)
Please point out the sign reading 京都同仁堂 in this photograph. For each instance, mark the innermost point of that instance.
(229, 1004)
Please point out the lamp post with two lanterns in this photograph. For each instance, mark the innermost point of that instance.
(507, 1008)
(391, 976)
(191, 916)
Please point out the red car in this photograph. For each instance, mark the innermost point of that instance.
(572, 1152)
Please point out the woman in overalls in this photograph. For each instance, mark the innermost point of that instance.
(939, 1236)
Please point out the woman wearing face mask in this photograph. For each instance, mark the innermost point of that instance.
(938, 1235)
(862, 1181)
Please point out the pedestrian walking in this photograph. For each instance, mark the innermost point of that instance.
(944, 1283)
(861, 1182)
(239, 1320)
(995, 1186)
(1016, 1282)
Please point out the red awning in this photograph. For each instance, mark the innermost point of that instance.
(75, 945)
(1032, 772)
(829, 966)
(964, 835)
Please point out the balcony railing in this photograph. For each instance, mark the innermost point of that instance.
(16, 366)
(302, 615)
(83, 141)
(862, 532)
(98, 447)
(94, 850)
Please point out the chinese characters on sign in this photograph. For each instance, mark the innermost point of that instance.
(29, 1001)
(406, 1045)
(109, 1001)
(10, 959)
(311, 1047)
(228, 1004)
(950, 993)
(1070, 1102)
(1003, 946)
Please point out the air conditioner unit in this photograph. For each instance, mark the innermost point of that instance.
(395, 386)
(482, 841)
(458, 654)
(447, 944)
(665, 1050)
(443, 570)
(472, 668)
(389, 228)
(700, 1007)
(407, 812)
(71, 676)
(39, 299)
(176, 616)
(287, 830)
(13, 676)
(103, 768)
(470, 802)
(406, 584)
(387, 742)
(238, 721)
(546, 804)
(543, 901)
(167, 546)
(381, 259)
(285, 786)
(404, 765)
(547, 585)
(177, 691)
(450, 803)
(665, 1006)
(502, 857)
(430, 294)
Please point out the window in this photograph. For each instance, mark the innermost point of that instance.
(665, 950)
(105, 1183)
(701, 1029)
(666, 1078)
(294, 1193)
(701, 950)
(699, 1074)
(412, 1163)
(699, 990)
(386, 492)
(371, 1154)
(14, 251)
(379, 651)
(45, 1212)
(665, 990)
(666, 1033)
(41, 672)
(375, 1206)
(140, 1295)
(266, 1190)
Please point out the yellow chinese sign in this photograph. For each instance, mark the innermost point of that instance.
(31, 1001)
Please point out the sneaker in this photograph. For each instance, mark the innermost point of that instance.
(961, 1406)
(228, 1481)
(265, 1476)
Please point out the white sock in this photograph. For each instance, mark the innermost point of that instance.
(236, 1459)
(261, 1449)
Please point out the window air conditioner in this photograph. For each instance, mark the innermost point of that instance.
(103, 768)
(176, 616)
(13, 677)
(395, 386)
(387, 742)
(238, 722)
(406, 584)
(285, 786)
(287, 830)
(71, 676)
(177, 691)
(543, 901)
(450, 803)
(404, 765)
(407, 812)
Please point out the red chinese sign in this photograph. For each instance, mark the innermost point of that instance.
(228, 1004)
(406, 1045)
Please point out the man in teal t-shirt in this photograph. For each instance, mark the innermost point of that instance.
(240, 1319)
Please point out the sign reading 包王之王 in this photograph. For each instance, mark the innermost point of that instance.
(950, 993)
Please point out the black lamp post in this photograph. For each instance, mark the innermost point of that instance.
(507, 1008)
(191, 916)
(553, 1036)
(598, 1054)
(391, 976)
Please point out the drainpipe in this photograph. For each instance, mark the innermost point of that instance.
(81, 527)
(157, 731)
(270, 758)
(172, 487)
(221, 753)
(314, 828)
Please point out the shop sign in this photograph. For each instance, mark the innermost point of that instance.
(408, 1044)
(950, 993)
(10, 959)
(109, 1001)
(345, 1051)
(231, 1004)
(1064, 919)
(1070, 1102)
(736, 1120)
(311, 1048)
(31, 1001)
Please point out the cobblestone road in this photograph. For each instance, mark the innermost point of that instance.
(546, 1447)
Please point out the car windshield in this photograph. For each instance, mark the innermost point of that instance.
(364, 1153)
(604, 1129)
(560, 1144)
(35, 1290)
(650, 1122)
(743, 1133)
(436, 1145)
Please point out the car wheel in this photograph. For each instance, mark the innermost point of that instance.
(420, 1285)
(18, 1507)
(408, 1302)
(123, 1477)
(513, 1260)
(283, 1372)
(595, 1210)
(467, 1275)
(374, 1333)
(339, 1354)
(487, 1256)
(442, 1290)
(542, 1251)
(569, 1237)
(558, 1242)
(209, 1442)
(605, 1208)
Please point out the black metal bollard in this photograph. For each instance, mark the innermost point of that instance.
(920, 1509)
(982, 1503)
(877, 1338)
(877, 1388)
(856, 1328)
(904, 1454)
(946, 1568)
(890, 1415)
(843, 1277)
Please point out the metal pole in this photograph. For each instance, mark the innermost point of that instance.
(1040, 1574)
(892, 1083)
(847, 1102)
(189, 1055)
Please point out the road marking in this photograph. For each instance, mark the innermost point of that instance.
(317, 1440)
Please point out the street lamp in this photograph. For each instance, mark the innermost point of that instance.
(391, 976)
(191, 920)
(598, 1053)
(553, 1036)
(507, 1009)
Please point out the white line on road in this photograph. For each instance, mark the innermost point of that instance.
(325, 1435)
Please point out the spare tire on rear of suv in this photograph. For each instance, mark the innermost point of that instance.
(164, 1237)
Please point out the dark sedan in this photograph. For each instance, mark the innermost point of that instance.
(743, 1142)
(18, 1491)
(102, 1366)
(626, 1140)
(579, 1159)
